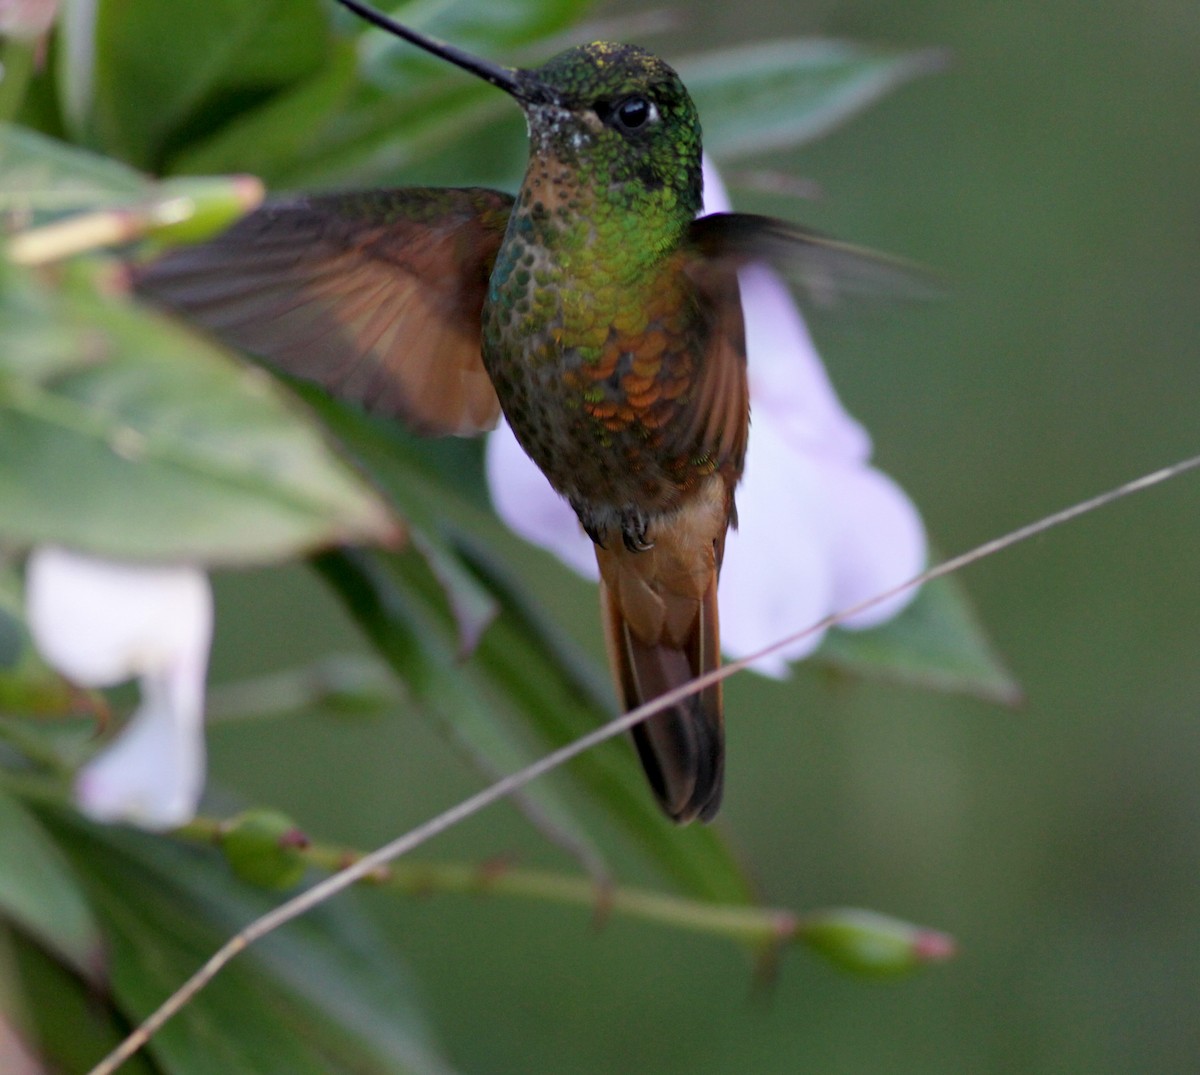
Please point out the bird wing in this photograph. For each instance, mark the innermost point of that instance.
(826, 269)
(377, 296)
(716, 417)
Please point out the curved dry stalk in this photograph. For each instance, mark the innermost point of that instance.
(368, 864)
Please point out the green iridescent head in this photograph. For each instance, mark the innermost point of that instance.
(617, 112)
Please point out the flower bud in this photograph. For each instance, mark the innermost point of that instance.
(263, 847)
(867, 942)
(192, 209)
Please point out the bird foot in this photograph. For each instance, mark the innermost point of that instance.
(634, 525)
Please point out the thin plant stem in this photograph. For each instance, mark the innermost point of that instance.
(739, 922)
(472, 805)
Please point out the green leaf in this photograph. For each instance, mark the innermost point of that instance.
(343, 684)
(13, 637)
(67, 1019)
(68, 201)
(12, 640)
(268, 139)
(18, 60)
(471, 606)
(380, 138)
(769, 96)
(405, 474)
(143, 78)
(43, 175)
(937, 642)
(40, 894)
(139, 440)
(323, 995)
(402, 620)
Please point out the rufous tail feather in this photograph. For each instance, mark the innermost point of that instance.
(661, 627)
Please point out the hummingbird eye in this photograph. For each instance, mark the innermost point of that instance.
(629, 114)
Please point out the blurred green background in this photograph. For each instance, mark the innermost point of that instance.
(1052, 174)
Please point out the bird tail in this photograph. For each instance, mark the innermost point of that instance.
(682, 748)
(661, 628)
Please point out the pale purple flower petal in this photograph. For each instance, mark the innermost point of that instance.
(775, 580)
(877, 541)
(529, 506)
(26, 20)
(788, 383)
(716, 197)
(787, 379)
(100, 623)
(816, 535)
(153, 775)
(820, 529)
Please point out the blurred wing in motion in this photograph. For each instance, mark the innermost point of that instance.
(826, 270)
(376, 296)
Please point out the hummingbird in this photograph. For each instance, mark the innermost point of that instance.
(595, 309)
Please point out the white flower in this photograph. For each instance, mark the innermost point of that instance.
(100, 623)
(820, 529)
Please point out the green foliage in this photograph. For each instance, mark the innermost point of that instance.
(936, 643)
(40, 175)
(758, 97)
(125, 435)
(39, 892)
(325, 996)
(141, 78)
(113, 416)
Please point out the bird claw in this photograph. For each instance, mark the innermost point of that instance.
(634, 526)
(633, 532)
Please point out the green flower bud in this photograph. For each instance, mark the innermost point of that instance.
(263, 847)
(867, 942)
(192, 209)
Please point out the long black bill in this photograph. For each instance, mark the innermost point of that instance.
(507, 78)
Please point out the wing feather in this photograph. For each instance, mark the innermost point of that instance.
(376, 296)
(716, 416)
(826, 269)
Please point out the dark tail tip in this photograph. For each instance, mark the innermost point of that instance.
(683, 753)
